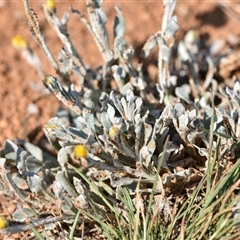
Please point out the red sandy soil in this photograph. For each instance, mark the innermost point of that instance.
(143, 19)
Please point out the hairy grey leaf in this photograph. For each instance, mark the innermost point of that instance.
(119, 23)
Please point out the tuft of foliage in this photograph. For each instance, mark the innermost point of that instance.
(140, 161)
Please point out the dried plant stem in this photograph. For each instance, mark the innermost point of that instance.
(37, 34)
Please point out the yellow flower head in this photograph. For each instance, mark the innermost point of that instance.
(51, 128)
(3, 223)
(80, 151)
(19, 42)
(48, 79)
(113, 132)
(51, 5)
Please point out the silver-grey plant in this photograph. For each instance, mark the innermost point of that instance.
(110, 146)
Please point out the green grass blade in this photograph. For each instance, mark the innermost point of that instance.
(37, 233)
(74, 226)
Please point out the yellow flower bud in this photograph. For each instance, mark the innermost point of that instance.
(3, 223)
(113, 132)
(19, 42)
(51, 5)
(50, 128)
(80, 151)
(48, 79)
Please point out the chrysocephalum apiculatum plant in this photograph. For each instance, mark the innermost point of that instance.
(132, 163)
